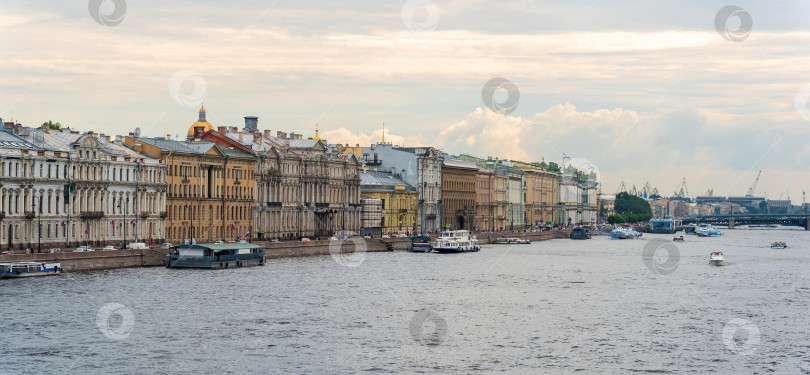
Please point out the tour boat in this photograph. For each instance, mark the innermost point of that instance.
(420, 244)
(706, 230)
(624, 234)
(579, 233)
(690, 229)
(678, 239)
(29, 269)
(512, 240)
(778, 245)
(228, 255)
(455, 241)
(717, 259)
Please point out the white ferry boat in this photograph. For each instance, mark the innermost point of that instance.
(455, 241)
(624, 234)
(706, 230)
(512, 240)
(29, 269)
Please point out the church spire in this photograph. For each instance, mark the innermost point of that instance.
(316, 133)
(202, 113)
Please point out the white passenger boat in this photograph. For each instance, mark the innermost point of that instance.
(717, 259)
(455, 241)
(29, 269)
(706, 230)
(624, 234)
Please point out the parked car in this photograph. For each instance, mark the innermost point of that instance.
(137, 245)
(219, 242)
(82, 249)
(54, 250)
(108, 248)
(7, 252)
(166, 245)
(275, 240)
(243, 241)
(333, 238)
(305, 239)
(386, 236)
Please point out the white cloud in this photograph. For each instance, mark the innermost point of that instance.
(346, 136)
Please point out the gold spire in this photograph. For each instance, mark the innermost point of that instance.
(316, 133)
(383, 133)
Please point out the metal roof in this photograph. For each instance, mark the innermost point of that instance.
(374, 179)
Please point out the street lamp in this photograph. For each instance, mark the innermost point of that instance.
(39, 222)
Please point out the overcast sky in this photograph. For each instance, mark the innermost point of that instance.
(644, 90)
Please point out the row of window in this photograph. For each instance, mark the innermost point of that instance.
(194, 213)
(79, 172)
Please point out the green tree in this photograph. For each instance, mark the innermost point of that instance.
(632, 208)
(53, 125)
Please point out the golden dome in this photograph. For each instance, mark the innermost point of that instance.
(200, 122)
(206, 124)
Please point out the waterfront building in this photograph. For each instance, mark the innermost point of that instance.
(458, 193)
(420, 167)
(484, 200)
(607, 205)
(304, 188)
(678, 208)
(62, 188)
(370, 216)
(211, 188)
(398, 200)
(578, 189)
(499, 201)
(541, 185)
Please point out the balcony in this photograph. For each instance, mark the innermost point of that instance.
(273, 204)
(185, 180)
(430, 216)
(321, 205)
(90, 215)
(145, 214)
(29, 215)
(403, 210)
(163, 215)
(2, 215)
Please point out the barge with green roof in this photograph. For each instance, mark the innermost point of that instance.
(227, 255)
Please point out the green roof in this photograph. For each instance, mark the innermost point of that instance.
(221, 246)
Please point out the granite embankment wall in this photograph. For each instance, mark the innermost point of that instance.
(95, 260)
(101, 260)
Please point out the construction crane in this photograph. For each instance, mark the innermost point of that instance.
(754, 185)
(710, 192)
(622, 189)
(683, 191)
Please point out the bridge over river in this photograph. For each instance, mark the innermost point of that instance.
(796, 220)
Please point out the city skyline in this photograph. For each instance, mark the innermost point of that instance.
(645, 92)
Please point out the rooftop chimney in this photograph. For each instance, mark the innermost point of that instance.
(257, 137)
(168, 137)
(281, 134)
(222, 130)
(199, 131)
(268, 133)
(297, 136)
(251, 123)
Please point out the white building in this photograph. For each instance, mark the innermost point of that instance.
(63, 189)
(578, 203)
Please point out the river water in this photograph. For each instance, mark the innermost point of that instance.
(598, 306)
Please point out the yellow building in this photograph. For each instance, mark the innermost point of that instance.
(398, 200)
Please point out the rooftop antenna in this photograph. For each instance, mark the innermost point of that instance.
(383, 135)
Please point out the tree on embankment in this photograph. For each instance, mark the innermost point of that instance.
(630, 209)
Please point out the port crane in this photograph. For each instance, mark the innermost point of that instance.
(622, 189)
(754, 185)
(683, 191)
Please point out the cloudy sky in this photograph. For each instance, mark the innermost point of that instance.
(646, 91)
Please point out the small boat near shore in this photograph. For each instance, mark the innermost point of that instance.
(29, 269)
(420, 244)
(511, 240)
(227, 255)
(717, 259)
(678, 239)
(580, 233)
(779, 245)
(456, 241)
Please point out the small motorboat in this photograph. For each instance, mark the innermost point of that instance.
(678, 239)
(420, 244)
(624, 234)
(706, 230)
(29, 269)
(717, 259)
(512, 240)
(778, 245)
(579, 233)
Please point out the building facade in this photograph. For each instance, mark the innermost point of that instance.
(210, 191)
(485, 200)
(458, 193)
(420, 167)
(304, 188)
(61, 188)
(398, 201)
(541, 193)
(578, 203)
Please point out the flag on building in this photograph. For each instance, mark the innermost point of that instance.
(233, 226)
(63, 223)
(247, 234)
(87, 231)
(132, 222)
(112, 223)
(566, 157)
